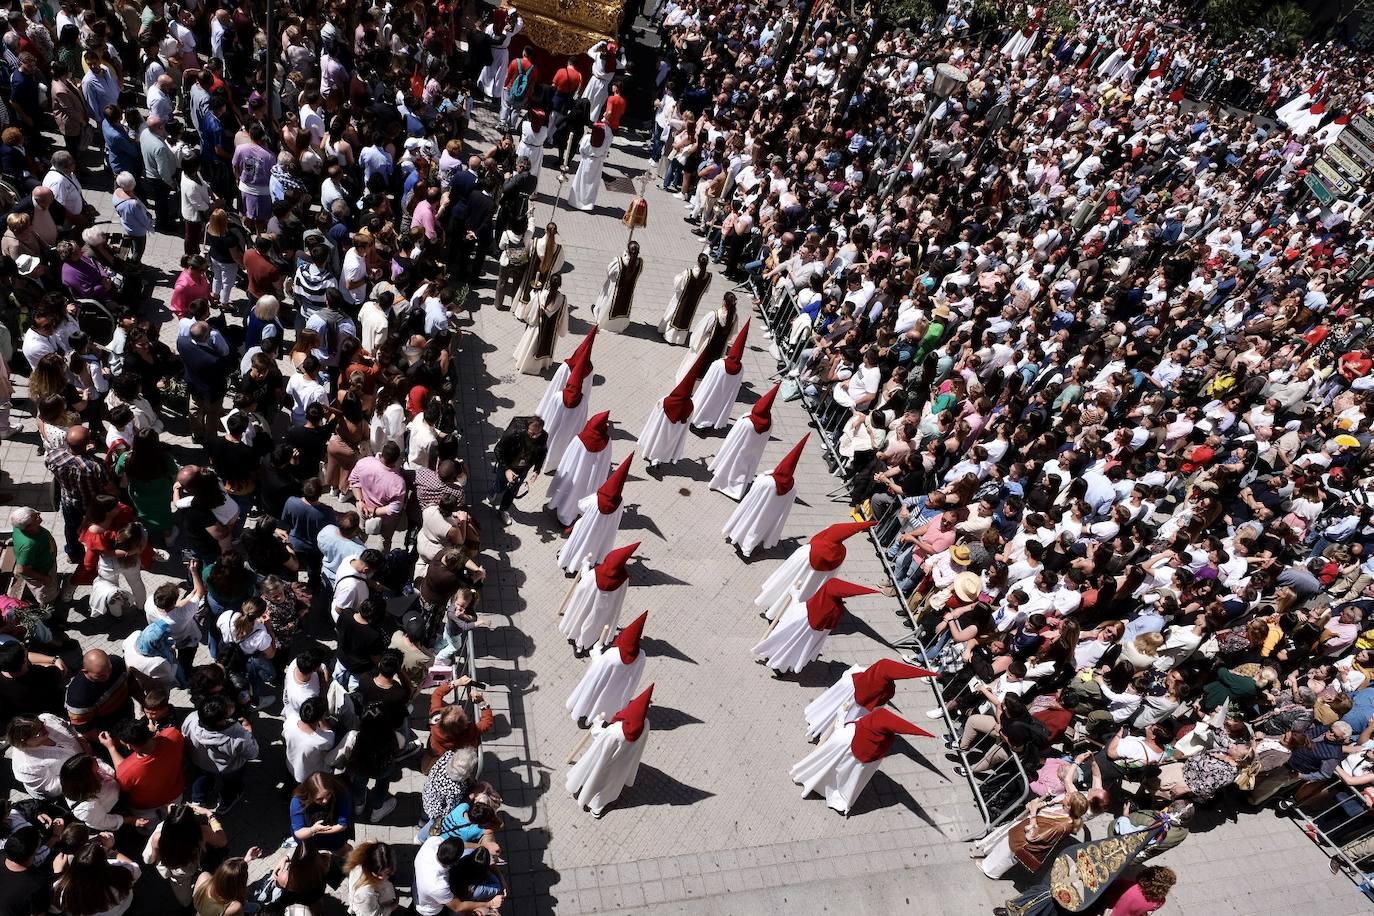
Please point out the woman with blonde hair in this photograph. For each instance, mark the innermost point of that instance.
(225, 248)
(20, 237)
(1030, 841)
(51, 378)
(369, 891)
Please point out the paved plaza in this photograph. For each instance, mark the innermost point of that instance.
(713, 823)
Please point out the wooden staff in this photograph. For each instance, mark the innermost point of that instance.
(563, 606)
(558, 198)
(605, 631)
(835, 723)
(586, 739)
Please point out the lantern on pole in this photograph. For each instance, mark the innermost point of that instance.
(637, 213)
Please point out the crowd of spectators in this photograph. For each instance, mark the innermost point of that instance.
(1097, 360)
(1099, 364)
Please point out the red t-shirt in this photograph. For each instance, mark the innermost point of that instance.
(615, 110)
(262, 273)
(156, 779)
(1126, 899)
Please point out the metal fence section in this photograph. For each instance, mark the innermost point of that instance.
(1340, 820)
(996, 776)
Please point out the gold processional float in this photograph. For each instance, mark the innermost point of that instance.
(569, 26)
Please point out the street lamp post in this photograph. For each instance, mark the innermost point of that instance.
(948, 78)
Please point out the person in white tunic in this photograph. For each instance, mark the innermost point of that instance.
(738, 459)
(842, 766)
(808, 568)
(861, 690)
(612, 307)
(797, 637)
(598, 521)
(610, 764)
(688, 288)
(712, 334)
(545, 259)
(593, 603)
(665, 433)
(553, 393)
(492, 80)
(1023, 40)
(611, 678)
(533, 132)
(586, 184)
(759, 518)
(606, 64)
(548, 322)
(584, 466)
(567, 414)
(720, 386)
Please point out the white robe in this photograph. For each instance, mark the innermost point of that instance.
(738, 459)
(716, 396)
(662, 441)
(706, 326)
(540, 305)
(1019, 45)
(578, 475)
(792, 644)
(586, 184)
(563, 423)
(607, 767)
(590, 610)
(593, 535)
(821, 712)
(602, 307)
(598, 88)
(759, 518)
(794, 576)
(492, 80)
(607, 686)
(1288, 109)
(677, 336)
(523, 310)
(833, 771)
(553, 394)
(531, 146)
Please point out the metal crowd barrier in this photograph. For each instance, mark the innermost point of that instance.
(1344, 830)
(1003, 790)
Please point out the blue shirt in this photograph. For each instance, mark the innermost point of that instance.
(302, 817)
(212, 138)
(375, 161)
(122, 152)
(304, 522)
(333, 548)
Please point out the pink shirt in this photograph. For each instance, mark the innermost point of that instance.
(1130, 901)
(187, 290)
(424, 218)
(380, 485)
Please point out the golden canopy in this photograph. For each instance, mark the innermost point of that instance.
(569, 26)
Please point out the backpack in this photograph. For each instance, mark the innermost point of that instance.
(521, 84)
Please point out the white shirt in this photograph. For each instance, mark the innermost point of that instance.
(354, 269)
(304, 391)
(432, 893)
(350, 588)
(38, 768)
(181, 617)
(66, 189)
(294, 693)
(257, 640)
(306, 752)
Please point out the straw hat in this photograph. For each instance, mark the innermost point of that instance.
(967, 586)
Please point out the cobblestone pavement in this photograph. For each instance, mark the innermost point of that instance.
(713, 823)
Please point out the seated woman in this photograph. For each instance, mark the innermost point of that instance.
(322, 813)
(1204, 775)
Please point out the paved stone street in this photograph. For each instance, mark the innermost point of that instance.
(713, 824)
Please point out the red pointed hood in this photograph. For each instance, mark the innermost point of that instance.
(628, 639)
(538, 119)
(876, 684)
(827, 547)
(579, 370)
(598, 133)
(762, 413)
(583, 353)
(608, 495)
(596, 435)
(735, 355)
(875, 732)
(784, 473)
(633, 715)
(825, 608)
(677, 406)
(611, 572)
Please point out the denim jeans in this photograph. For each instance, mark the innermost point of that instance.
(72, 518)
(656, 142)
(260, 674)
(672, 179)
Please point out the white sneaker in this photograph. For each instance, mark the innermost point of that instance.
(385, 808)
(936, 713)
